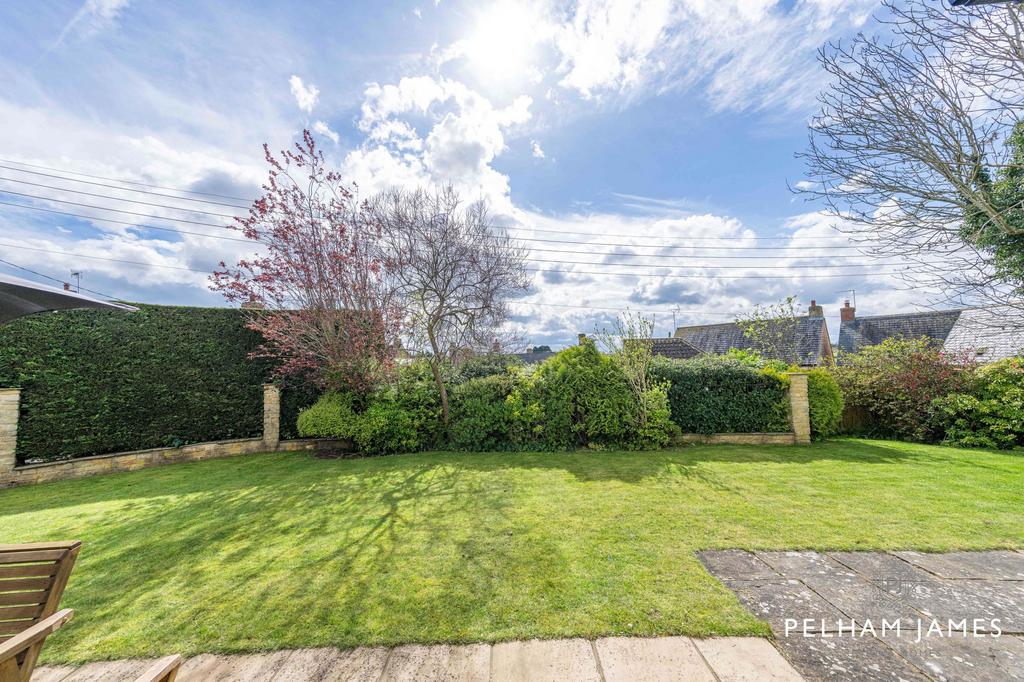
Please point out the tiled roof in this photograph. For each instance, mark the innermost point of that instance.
(532, 358)
(870, 331)
(679, 349)
(717, 339)
(990, 334)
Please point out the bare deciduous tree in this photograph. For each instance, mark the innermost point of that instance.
(454, 270)
(907, 128)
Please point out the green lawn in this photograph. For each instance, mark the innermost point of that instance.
(286, 550)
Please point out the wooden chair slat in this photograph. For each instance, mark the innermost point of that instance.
(164, 670)
(21, 584)
(23, 649)
(23, 598)
(16, 612)
(37, 555)
(13, 627)
(28, 570)
(66, 545)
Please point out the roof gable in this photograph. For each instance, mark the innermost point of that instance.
(811, 342)
(871, 331)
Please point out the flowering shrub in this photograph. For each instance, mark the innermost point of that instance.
(993, 415)
(896, 381)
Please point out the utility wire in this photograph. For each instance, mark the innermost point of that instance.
(570, 272)
(129, 223)
(53, 279)
(124, 189)
(126, 182)
(113, 198)
(115, 210)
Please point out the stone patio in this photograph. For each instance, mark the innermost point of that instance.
(613, 659)
(828, 611)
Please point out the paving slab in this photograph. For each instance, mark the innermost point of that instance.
(863, 601)
(994, 565)
(544, 661)
(661, 659)
(235, 668)
(776, 602)
(52, 673)
(801, 565)
(439, 663)
(364, 664)
(114, 671)
(848, 658)
(880, 566)
(979, 659)
(970, 599)
(745, 659)
(736, 564)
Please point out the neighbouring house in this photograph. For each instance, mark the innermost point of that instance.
(535, 355)
(988, 334)
(811, 339)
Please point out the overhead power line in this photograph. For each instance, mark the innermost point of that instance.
(127, 182)
(113, 198)
(124, 189)
(62, 282)
(569, 272)
(126, 222)
(645, 236)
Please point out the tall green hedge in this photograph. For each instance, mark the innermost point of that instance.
(96, 381)
(724, 395)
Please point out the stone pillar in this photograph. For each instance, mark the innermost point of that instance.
(10, 399)
(799, 407)
(271, 416)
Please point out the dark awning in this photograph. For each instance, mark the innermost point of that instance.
(20, 297)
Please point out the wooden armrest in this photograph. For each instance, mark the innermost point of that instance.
(35, 634)
(164, 670)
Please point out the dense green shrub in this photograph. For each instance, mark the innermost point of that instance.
(332, 416)
(384, 428)
(481, 415)
(578, 398)
(895, 382)
(485, 366)
(992, 416)
(825, 402)
(98, 381)
(655, 428)
(415, 391)
(724, 395)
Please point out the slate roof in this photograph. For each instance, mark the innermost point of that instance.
(677, 349)
(872, 330)
(989, 333)
(718, 339)
(532, 358)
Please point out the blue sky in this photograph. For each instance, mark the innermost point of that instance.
(656, 128)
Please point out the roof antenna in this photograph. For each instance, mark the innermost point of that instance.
(853, 295)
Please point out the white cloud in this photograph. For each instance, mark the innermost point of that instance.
(325, 130)
(536, 149)
(465, 132)
(305, 95)
(91, 18)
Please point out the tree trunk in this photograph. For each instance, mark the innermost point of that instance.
(435, 366)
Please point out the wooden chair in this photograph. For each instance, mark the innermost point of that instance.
(19, 653)
(32, 581)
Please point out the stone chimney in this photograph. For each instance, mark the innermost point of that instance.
(582, 339)
(815, 310)
(847, 313)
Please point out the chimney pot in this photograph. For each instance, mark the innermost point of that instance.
(847, 313)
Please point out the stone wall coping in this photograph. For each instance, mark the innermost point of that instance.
(167, 449)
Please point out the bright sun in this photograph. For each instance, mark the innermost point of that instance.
(502, 44)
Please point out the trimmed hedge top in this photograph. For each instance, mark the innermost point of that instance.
(97, 381)
(724, 395)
